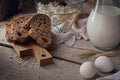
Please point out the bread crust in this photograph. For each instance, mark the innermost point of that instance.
(36, 26)
(41, 29)
(14, 31)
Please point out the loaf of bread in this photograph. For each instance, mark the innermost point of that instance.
(22, 27)
(15, 32)
(41, 29)
(36, 26)
(10, 32)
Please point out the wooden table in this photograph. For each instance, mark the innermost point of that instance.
(66, 62)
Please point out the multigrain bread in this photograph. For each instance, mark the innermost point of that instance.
(36, 26)
(10, 32)
(41, 29)
(15, 31)
(22, 27)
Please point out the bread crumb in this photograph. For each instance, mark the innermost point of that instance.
(10, 57)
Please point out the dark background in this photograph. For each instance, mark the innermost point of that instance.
(12, 7)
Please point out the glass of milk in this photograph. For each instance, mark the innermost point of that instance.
(103, 25)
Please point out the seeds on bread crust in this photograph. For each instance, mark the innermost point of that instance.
(41, 29)
(36, 26)
(15, 31)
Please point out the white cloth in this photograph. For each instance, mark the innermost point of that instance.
(69, 36)
(115, 76)
(82, 24)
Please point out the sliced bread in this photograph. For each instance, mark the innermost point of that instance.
(41, 29)
(10, 32)
(36, 26)
(15, 32)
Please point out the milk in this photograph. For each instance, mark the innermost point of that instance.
(103, 27)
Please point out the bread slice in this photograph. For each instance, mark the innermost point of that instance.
(22, 27)
(17, 29)
(10, 32)
(36, 26)
(41, 29)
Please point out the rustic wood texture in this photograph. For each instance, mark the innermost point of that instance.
(71, 54)
(67, 61)
(61, 51)
(15, 68)
(29, 49)
(42, 55)
(23, 50)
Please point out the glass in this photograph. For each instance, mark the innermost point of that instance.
(58, 12)
(103, 24)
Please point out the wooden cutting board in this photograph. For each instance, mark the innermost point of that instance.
(71, 54)
(30, 49)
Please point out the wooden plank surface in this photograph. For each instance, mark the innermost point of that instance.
(15, 68)
(70, 54)
(66, 63)
(62, 51)
(30, 49)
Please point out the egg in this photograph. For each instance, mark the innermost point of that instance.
(87, 70)
(104, 64)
